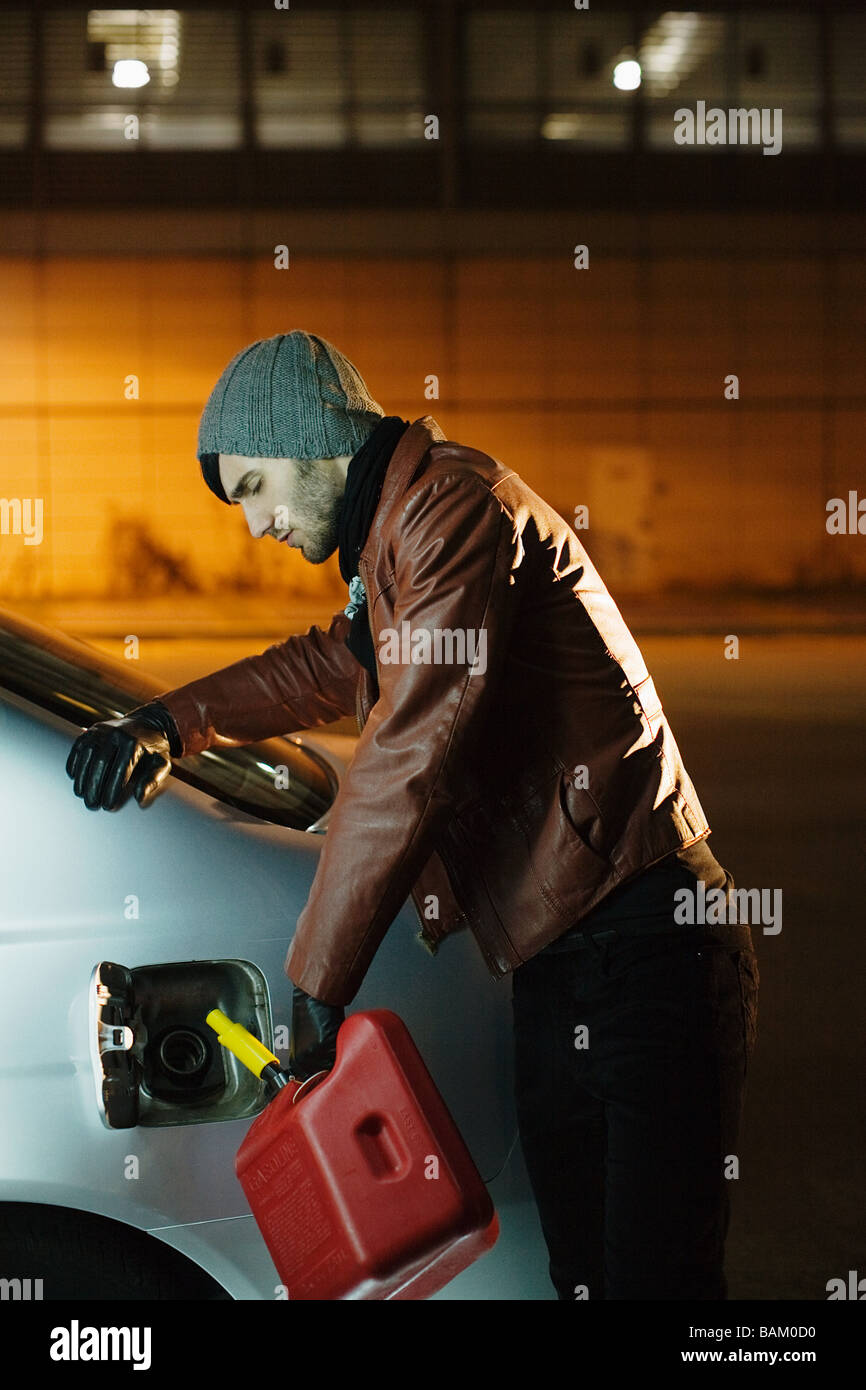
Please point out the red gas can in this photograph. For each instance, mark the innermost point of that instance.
(361, 1183)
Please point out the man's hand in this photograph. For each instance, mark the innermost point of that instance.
(120, 755)
(313, 1040)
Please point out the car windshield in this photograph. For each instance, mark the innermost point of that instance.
(274, 780)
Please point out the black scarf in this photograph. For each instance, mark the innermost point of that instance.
(364, 480)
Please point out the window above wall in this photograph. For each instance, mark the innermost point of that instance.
(243, 100)
(613, 78)
(312, 77)
(330, 77)
(177, 73)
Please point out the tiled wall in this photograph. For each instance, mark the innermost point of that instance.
(602, 387)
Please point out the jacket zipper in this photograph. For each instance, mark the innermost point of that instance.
(358, 712)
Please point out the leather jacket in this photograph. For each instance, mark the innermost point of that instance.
(509, 794)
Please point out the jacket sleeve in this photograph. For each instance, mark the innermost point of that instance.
(296, 684)
(455, 556)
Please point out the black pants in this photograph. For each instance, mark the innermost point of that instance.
(632, 1039)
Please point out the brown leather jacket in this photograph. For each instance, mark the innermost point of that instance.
(510, 797)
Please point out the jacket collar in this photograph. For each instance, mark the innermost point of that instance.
(410, 450)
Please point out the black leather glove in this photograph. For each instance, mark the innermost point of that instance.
(313, 1038)
(117, 756)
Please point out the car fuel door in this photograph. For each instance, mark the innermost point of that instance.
(155, 1059)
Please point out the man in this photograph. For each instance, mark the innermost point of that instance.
(515, 773)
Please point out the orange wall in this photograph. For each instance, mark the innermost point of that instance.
(601, 387)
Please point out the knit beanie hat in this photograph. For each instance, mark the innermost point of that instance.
(290, 396)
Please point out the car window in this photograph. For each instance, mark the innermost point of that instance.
(273, 780)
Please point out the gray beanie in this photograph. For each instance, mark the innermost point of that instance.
(290, 396)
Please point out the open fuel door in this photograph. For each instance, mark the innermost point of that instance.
(112, 1038)
(155, 1060)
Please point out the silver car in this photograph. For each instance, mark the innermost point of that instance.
(121, 1115)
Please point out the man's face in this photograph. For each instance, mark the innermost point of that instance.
(297, 501)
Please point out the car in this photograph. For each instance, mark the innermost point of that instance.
(120, 931)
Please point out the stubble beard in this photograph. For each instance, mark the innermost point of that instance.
(320, 504)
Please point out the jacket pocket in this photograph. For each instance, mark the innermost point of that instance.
(564, 838)
(582, 814)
